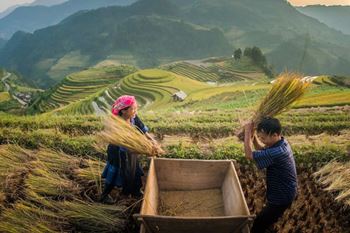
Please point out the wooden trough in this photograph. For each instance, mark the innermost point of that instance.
(193, 196)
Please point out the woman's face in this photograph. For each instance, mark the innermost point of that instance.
(130, 112)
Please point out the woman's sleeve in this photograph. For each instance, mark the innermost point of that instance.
(112, 154)
(140, 125)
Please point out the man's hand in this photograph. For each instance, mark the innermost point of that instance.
(249, 128)
(248, 137)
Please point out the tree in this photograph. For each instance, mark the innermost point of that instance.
(258, 57)
(238, 54)
(248, 52)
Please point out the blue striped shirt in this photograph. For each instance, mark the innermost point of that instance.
(281, 175)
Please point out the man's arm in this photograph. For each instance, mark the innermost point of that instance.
(257, 144)
(248, 148)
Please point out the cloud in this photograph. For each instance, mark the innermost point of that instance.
(322, 2)
(4, 4)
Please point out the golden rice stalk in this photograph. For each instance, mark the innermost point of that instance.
(26, 217)
(344, 195)
(2, 198)
(90, 174)
(50, 184)
(118, 132)
(285, 91)
(94, 217)
(329, 168)
(335, 177)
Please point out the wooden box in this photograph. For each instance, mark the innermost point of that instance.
(193, 196)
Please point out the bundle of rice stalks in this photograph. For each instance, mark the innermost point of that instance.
(13, 158)
(335, 177)
(26, 217)
(2, 199)
(50, 184)
(87, 217)
(285, 91)
(90, 175)
(118, 132)
(57, 162)
(14, 163)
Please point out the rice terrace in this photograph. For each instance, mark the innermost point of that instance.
(181, 95)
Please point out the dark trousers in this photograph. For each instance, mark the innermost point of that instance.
(267, 217)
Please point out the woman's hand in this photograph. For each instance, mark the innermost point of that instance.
(157, 148)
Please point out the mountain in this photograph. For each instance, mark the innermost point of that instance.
(337, 17)
(31, 18)
(2, 43)
(152, 32)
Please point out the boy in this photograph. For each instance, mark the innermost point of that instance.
(281, 178)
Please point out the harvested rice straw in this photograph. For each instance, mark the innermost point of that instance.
(118, 132)
(286, 90)
(335, 177)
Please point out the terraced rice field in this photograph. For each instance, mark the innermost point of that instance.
(81, 85)
(218, 72)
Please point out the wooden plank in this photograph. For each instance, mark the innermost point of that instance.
(161, 224)
(184, 174)
(151, 195)
(234, 200)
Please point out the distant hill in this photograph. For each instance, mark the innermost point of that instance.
(31, 18)
(2, 43)
(337, 17)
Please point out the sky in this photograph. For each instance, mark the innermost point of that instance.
(4, 4)
(322, 2)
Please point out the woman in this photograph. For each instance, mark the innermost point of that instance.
(123, 168)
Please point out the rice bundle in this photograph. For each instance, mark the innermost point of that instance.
(286, 90)
(335, 177)
(26, 217)
(87, 217)
(118, 132)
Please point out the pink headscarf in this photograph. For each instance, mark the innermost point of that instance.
(122, 102)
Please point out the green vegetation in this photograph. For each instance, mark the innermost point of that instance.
(4, 96)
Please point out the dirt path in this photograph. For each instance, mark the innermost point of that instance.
(98, 111)
(8, 88)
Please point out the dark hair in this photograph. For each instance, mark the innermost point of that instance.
(120, 112)
(269, 125)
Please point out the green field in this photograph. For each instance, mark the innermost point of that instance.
(4, 96)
